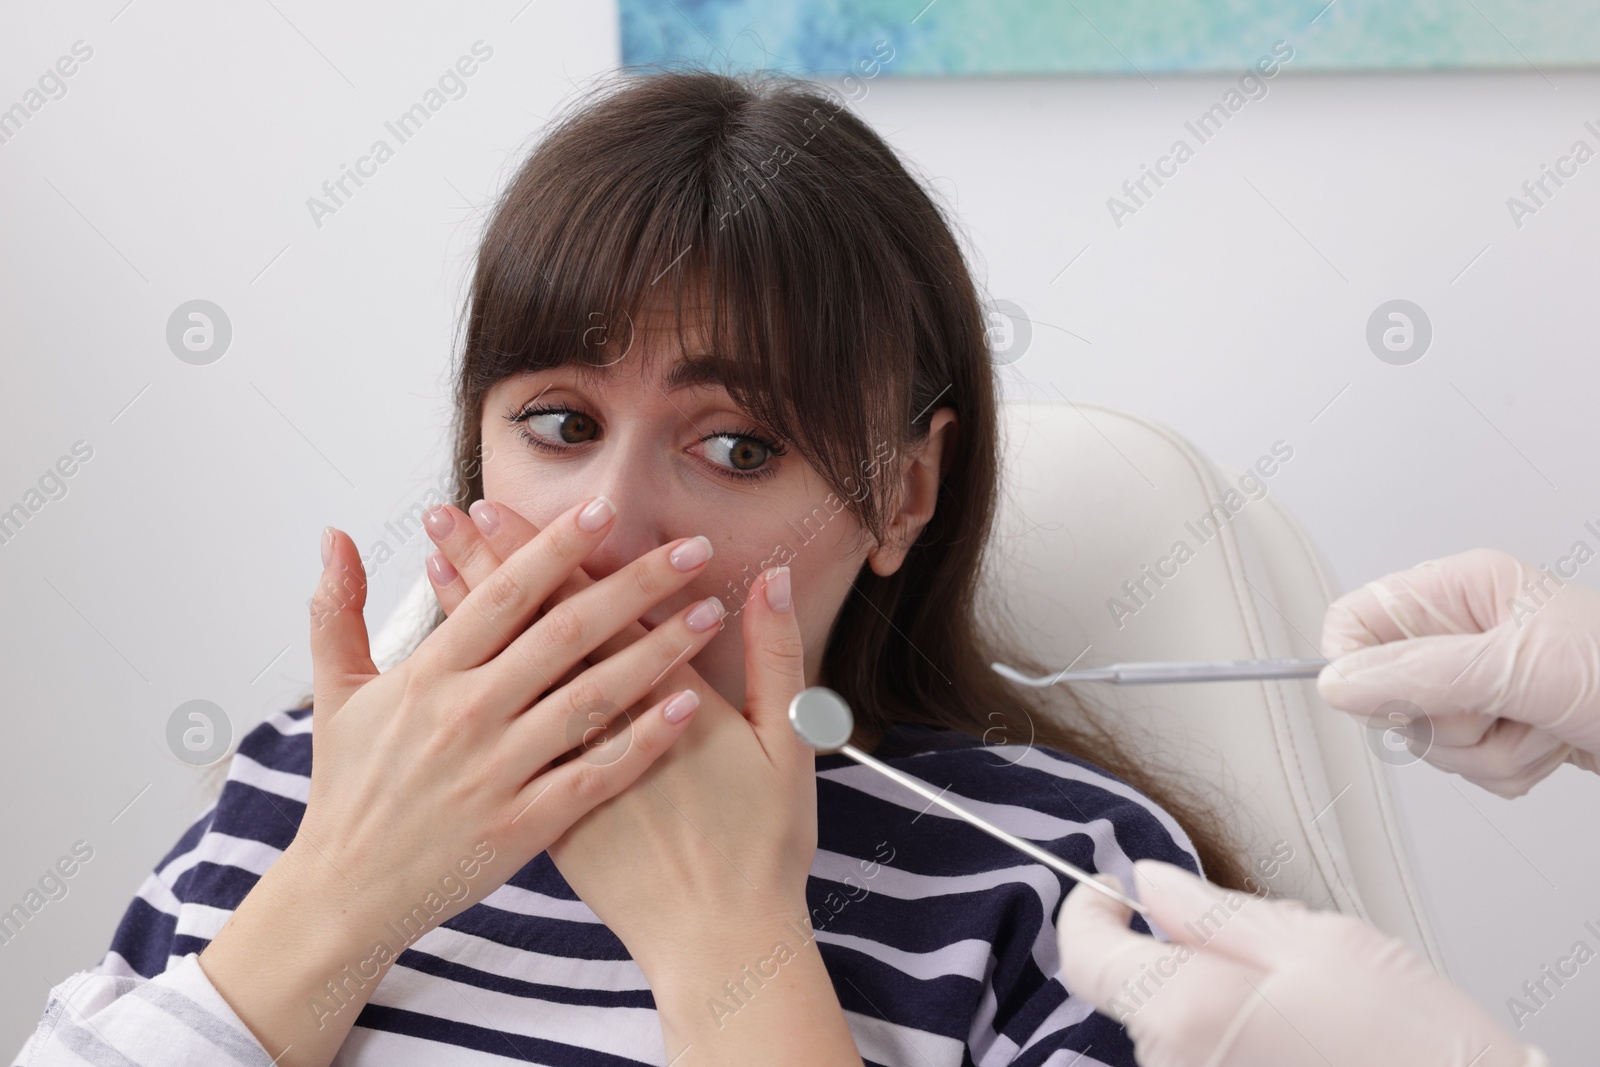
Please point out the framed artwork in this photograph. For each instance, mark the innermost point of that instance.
(1133, 37)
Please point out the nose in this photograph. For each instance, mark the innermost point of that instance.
(643, 510)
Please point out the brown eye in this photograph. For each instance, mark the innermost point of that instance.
(747, 455)
(576, 427)
(568, 427)
(744, 454)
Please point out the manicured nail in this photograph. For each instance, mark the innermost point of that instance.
(692, 553)
(777, 583)
(705, 615)
(439, 521)
(485, 516)
(327, 545)
(443, 573)
(596, 514)
(679, 707)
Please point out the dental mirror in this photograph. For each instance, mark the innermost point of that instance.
(823, 721)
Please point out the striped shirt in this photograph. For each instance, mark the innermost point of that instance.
(940, 940)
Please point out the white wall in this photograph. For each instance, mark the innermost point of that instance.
(1232, 307)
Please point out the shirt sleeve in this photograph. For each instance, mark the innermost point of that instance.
(176, 1019)
(148, 1002)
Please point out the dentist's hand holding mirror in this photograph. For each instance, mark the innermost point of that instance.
(1491, 667)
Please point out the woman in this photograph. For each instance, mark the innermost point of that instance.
(717, 317)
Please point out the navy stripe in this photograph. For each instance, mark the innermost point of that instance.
(499, 1042)
(427, 963)
(143, 936)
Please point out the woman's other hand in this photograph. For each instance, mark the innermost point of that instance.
(1502, 658)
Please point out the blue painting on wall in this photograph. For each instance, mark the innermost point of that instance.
(1136, 37)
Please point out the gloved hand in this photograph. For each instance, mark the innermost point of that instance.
(1254, 983)
(1503, 661)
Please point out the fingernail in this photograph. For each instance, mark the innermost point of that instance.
(705, 615)
(485, 516)
(327, 545)
(679, 707)
(692, 553)
(439, 521)
(596, 514)
(440, 568)
(777, 583)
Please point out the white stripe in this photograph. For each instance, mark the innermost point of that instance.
(982, 1034)
(1024, 822)
(213, 847)
(903, 885)
(964, 958)
(113, 963)
(1109, 856)
(521, 901)
(634, 1032)
(408, 1050)
(1030, 757)
(288, 726)
(158, 894)
(295, 787)
(1069, 1012)
(567, 972)
(226, 850)
(201, 920)
(1067, 1058)
(886, 1042)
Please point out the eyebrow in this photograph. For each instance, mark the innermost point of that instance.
(699, 370)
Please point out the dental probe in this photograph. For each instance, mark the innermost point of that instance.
(1223, 670)
(824, 721)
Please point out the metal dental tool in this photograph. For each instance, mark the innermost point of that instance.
(824, 721)
(1155, 673)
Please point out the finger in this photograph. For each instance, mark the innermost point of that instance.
(1442, 675)
(501, 526)
(1098, 950)
(506, 530)
(341, 654)
(498, 609)
(1511, 758)
(563, 794)
(457, 536)
(501, 531)
(449, 588)
(470, 548)
(568, 632)
(1176, 1001)
(774, 664)
(1463, 593)
(1453, 731)
(599, 694)
(1194, 912)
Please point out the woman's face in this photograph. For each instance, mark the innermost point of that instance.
(679, 458)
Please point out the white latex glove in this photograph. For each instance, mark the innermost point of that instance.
(1504, 663)
(1254, 983)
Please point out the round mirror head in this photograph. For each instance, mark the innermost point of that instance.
(821, 718)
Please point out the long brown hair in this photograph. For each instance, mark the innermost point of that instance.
(839, 292)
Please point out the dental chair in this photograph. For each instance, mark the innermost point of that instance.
(1092, 497)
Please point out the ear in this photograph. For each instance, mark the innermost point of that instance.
(921, 472)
